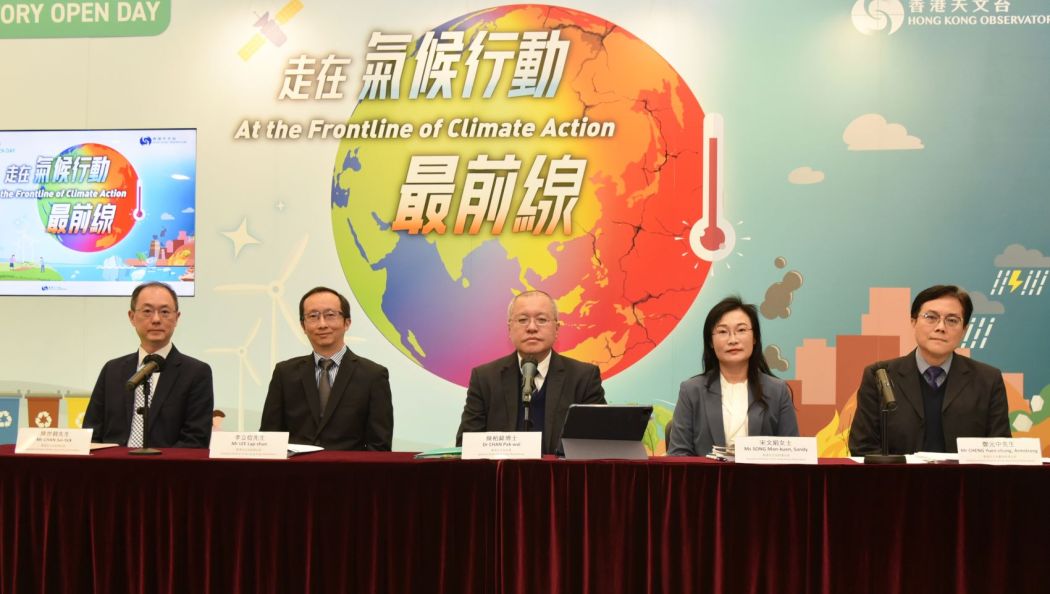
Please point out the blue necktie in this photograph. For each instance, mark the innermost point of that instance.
(933, 376)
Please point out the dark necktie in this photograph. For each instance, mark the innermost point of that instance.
(933, 376)
(324, 386)
(135, 439)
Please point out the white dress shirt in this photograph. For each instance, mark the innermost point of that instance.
(734, 410)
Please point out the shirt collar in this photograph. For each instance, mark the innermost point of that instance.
(337, 358)
(728, 385)
(923, 365)
(163, 352)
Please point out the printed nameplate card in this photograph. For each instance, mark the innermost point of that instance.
(1025, 451)
(69, 442)
(260, 445)
(776, 450)
(503, 445)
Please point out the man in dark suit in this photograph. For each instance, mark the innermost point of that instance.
(494, 396)
(940, 395)
(181, 400)
(330, 398)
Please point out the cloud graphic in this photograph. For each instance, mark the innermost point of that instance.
(871, 132)
(805, 175)
(167, 217)
(187, 210)
(779, 296)
(985, 306)
(1023, 423)
(774, 358)
(1016, 256)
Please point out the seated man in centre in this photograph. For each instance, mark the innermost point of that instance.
(494, 396)
(331, 397)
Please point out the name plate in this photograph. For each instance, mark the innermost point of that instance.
(260, 445)
(776, 450)
(503, 445)
(1025, 451)
(69, 442)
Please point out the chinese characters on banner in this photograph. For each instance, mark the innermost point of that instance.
(444, 64)
(80, 217)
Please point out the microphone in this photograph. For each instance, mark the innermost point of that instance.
(152, 363)
(528, 370)
(888, 401)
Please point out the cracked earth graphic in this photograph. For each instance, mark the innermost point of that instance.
(623, 277)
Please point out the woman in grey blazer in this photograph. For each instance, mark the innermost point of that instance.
(736, 395)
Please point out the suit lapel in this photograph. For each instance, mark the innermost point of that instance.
(308, 380)
(958, 379)
(168, 376)
(342, 380)
(127, 369)
(713, 412)
(511, 385)
(905, 378)
(755, 414)
(555, 384)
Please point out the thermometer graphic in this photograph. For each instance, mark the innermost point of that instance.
(712, 237)
(138, 213)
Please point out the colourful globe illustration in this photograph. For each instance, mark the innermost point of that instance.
(621, 270)
(95, 197)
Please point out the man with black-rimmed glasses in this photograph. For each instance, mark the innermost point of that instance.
(940, 394)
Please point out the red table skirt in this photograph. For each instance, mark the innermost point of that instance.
(180, 523)
(674, 526)
(383, 522)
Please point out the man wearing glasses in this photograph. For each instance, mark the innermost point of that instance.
(940, 394)
(181, 398)
(332, 397)
(494, 396)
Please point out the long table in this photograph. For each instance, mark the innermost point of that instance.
(384, 522)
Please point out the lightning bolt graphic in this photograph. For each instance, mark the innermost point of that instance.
(1015, 280)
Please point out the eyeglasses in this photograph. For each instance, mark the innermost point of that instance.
(329, 316)
(933, 318)
(147, 313)
(540, 321)
(724, 333)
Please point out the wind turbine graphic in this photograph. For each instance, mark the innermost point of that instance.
(26, 246)
(242, 363)
(276, 292)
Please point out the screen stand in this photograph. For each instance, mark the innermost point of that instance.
(603, 449)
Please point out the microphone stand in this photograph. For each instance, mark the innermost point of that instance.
(526, 399)
(145, 450)
(884, 457)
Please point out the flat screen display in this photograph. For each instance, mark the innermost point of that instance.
(97, 212)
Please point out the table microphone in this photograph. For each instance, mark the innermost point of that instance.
(529, 368)
(528, 371)
(889, 404)
(888, 400)
(152, 363)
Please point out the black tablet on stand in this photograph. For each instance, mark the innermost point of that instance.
(605, 431)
